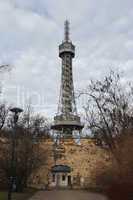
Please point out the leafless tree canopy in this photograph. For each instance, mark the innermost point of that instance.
(29, 156)
(109, 109)
(3, 114)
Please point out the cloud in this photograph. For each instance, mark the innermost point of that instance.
(30, 32)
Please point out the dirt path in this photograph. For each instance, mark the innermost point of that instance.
(67, 195)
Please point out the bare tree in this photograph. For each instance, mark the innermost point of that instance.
(38, 125)
(3, 107)
(29, 155)
(4, 68)
(108, 110)
(3, 114)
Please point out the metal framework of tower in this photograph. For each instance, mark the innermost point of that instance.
(67, 119)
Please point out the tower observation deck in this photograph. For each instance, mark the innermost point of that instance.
(67, 119)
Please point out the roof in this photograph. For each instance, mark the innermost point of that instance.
(61, 168)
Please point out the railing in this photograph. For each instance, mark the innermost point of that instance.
(67, 47)
(67, 117)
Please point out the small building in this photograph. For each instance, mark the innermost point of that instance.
(60, 176)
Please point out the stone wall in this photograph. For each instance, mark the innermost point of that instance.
(85, 160)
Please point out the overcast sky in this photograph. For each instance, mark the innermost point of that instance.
(31, 30)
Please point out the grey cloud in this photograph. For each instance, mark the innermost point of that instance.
(31, 31)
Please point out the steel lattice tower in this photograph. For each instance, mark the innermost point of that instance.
(67, 118)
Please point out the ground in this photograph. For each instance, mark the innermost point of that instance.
(67, 195)
(18, 196)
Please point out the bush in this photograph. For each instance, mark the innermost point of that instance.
(123, 191)
(118, 177)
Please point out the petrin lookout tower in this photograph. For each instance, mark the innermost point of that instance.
(67, 119)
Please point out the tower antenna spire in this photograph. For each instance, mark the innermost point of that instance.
(67, 29)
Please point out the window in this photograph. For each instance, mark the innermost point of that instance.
(63, 178)
(53, 178)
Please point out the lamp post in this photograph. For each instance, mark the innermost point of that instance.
(12, 179)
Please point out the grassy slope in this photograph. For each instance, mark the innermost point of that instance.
(17, 196)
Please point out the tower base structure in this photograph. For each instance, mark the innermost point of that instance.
(67, 121)
(66, 124)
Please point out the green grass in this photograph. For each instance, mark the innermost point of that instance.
(2, 195)
(18, 196)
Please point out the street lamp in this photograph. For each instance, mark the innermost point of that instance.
(12, 180)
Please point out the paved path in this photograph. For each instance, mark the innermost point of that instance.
(67, 195)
